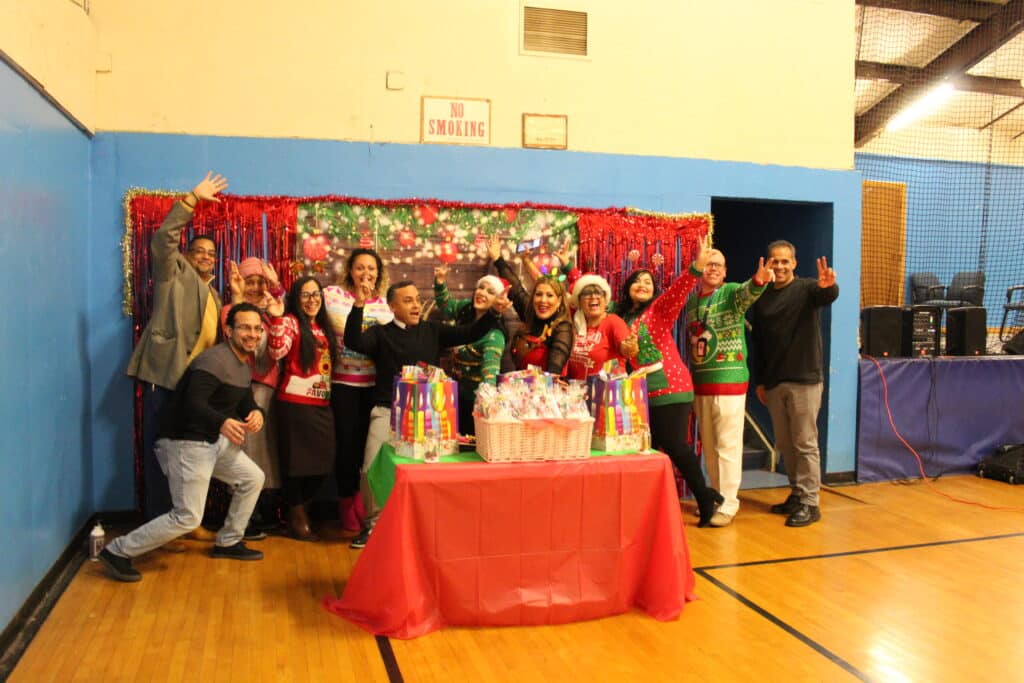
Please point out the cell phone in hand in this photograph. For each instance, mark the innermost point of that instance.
(528, 245)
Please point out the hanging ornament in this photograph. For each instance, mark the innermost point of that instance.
(365, 240)
(315, 247)
(634, 255)
(425, 214)
(447, 252)
(406, 237)
(511, 215)
(296, 267)
(658, 260)
(318, 267)
(480, 241)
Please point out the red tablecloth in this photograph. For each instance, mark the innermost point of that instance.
(494, 544)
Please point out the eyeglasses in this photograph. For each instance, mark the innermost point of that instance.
(709, 266)
(199, 251)
(589, 292)
(310, 296)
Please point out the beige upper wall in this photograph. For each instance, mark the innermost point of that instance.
(745, 80)
(55, 43)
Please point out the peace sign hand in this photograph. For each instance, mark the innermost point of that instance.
(826, 276)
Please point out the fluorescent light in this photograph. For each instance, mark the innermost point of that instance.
(931, 101)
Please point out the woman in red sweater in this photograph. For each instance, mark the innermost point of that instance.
(304, 338)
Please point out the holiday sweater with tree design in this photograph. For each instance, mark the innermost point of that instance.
(716, 340)
(670, 383)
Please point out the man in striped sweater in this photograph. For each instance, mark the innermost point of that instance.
(718, 356)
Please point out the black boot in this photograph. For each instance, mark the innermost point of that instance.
(707, 503)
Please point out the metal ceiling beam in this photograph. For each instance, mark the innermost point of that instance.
(908, 75)
(980, 42)
(951, 9)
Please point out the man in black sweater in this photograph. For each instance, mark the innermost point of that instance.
(788, 370)
(406, 340)
(202, 430)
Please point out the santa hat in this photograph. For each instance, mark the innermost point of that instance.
(498, 284)
(250, 266)
(574, 299)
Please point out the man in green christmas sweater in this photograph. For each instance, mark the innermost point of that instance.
(718, 356)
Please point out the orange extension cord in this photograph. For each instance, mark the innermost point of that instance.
(920, 464)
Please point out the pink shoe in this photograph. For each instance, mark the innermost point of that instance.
(347, 512)
(360, 510)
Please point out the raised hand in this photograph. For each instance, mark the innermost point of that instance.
(630, 346)
(494, 247)
(704, 253)
(441, 274)
(764, 274)
(501, 304)
(363, 291)
(566, 252)
(826, 276)
(235, 282)
(270, 275)
(254, 421)
(210, 186)
(234, 431)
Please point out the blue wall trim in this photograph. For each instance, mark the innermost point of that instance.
(46, 469)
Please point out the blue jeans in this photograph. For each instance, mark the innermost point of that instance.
(189, 465)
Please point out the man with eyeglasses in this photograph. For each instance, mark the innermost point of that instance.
(201, 434)
(718, 356)
(789, 376)
(182, 325)
(406, 340)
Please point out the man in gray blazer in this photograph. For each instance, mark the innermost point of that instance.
(184, 323)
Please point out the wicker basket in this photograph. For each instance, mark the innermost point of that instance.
(533, 440)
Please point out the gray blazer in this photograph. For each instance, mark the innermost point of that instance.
(179, 302)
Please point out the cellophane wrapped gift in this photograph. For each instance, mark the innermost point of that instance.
(619, 404)
(519, 421)
(424, 413)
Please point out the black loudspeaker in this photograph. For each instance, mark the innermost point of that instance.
(881, 330)
(921, 329)
(965, 331)
(1016, 344)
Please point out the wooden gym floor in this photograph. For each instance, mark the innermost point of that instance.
(896, 583)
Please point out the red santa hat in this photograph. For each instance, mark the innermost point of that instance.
(587, 280)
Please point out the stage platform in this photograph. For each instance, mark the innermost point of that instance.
(953, 411)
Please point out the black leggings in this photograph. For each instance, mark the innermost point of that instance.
(351, 407)
(300, 490)
(669, 424)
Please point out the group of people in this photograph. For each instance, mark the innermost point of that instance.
(301, 384)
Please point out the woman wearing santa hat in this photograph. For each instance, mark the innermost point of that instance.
(546, 337)
(600, 336)
(479, 362)
(669, 386)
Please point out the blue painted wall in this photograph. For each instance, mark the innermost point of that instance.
(305, 167)
(46, 473)
(959, 215)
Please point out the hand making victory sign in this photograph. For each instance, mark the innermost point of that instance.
(826, 276)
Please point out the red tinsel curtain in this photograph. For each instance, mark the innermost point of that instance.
(614, 244)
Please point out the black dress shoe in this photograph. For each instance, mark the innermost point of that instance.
(119, 567)
(237, 551)
(788, 507)
(804, 515)
(707, 504)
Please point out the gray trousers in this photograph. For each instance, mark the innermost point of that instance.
(378, 434)
(794, 410)
(189, 465)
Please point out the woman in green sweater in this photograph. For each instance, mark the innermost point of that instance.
(479, 362)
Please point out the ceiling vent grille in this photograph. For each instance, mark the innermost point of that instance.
(556, 31)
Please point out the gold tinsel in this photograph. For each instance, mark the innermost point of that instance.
(128, 294)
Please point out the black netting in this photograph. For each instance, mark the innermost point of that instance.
(943, 209)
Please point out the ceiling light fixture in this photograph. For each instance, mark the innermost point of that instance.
(928, 103)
